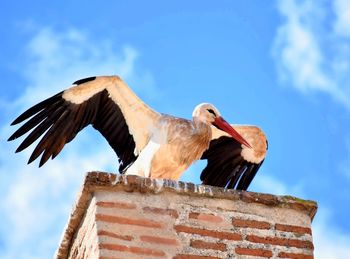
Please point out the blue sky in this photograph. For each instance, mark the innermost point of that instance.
(281, 65)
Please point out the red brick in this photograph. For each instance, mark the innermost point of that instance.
(208, 245)
(159, 240)
(253, 252)
(132, 249)
(170, 212)
(251, 224)
(206, 232)
(111, 234)
(205, 217)
(185, 256)
(294, 256)
(128, 221)
(291, 228)
(118, 205)
(280, 241)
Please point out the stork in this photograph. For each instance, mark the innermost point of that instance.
(147, 143)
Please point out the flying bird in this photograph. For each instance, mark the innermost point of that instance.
(147, 143)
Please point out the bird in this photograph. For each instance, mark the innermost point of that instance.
(146, 142)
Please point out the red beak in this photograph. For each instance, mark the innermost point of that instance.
(220, 123)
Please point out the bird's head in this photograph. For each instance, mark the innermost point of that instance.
(208, 114)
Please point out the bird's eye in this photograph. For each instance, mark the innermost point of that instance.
(212, 112)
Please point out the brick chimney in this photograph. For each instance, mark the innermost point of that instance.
(119, 216)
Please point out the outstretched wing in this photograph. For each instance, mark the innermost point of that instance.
(231, 164)
(105, 102)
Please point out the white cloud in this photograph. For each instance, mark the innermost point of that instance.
(266, 183)
(329, 242)
(36, 202)
(342, 20)
(310, 54)
(55, 59)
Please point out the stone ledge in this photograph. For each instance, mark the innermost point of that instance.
(106, 181)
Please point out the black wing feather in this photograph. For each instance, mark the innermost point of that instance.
(62, 121)
(117, 134)
(248, 176)
(39, 129)
(36, 108)
(226, 167)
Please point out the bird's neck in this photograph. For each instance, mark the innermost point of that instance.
(200, 126)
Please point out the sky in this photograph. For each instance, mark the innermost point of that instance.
(282, 65)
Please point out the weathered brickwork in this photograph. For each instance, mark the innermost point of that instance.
(132, 217)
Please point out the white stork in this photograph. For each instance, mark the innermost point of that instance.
(147, 143)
